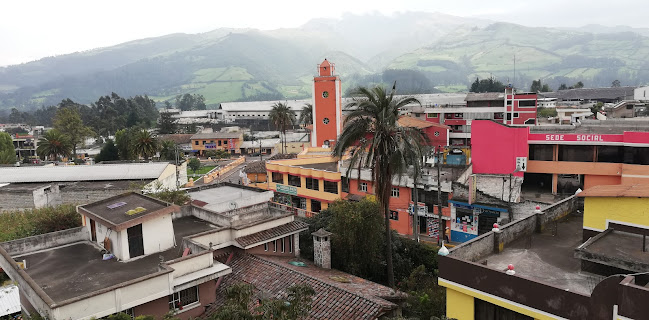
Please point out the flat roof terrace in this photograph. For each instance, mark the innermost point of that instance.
(77, 269)
(548, 257)
(125, 210)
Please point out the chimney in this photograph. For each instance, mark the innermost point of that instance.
(322, 248)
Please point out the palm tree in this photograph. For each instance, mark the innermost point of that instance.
(375, 140)
(282, 117)
(54, 144)
(306, 116)
(144, 144)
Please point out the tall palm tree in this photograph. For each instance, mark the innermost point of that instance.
(144, 144)
(53, 144)
(375, 140)
(306, 116)
(282, 117)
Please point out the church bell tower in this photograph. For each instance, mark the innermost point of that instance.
(327, 106)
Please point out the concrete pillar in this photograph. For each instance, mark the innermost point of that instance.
(296, 244)
(555, 182)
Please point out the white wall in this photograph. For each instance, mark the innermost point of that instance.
(158, 234)
(117, 243)
(641, 93)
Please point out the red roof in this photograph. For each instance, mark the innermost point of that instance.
(354, 298)
(406, 121)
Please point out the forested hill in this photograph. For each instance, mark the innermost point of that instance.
(243, 64)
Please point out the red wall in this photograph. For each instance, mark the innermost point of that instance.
(437, 140)
(494, 147)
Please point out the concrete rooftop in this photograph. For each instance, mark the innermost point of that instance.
(215, 197)
(117, 215)
(549, 259)
(70, 271)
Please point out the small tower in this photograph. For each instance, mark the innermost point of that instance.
(327, 108)
(322, 248)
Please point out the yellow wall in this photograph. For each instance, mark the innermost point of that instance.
(633, 211)
(292, 166)
(459, 305)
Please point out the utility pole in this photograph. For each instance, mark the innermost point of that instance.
(177, 169)
(440, 236)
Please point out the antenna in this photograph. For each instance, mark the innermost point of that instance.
(514, 81)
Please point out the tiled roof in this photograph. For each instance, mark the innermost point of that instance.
(637, 190)
(176, 138)
(354, 298)
(272, 233)
(217, 135)
(406, 121)
(260, 166)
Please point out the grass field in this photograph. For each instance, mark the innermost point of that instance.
(202, 170)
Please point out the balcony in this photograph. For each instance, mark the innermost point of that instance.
(296, 211)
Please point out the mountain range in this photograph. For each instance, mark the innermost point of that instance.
(249, 64)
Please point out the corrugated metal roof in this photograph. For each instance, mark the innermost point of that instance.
(97, 172)
(632, 191)
(295, 105)
(607, 93)
(9, 300)
(218, 135)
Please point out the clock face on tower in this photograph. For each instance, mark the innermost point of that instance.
(325, 120)
(325, 94)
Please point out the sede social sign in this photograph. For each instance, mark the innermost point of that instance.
(574, 137)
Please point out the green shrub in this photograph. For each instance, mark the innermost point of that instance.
(18, 224)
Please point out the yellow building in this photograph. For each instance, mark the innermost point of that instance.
(308, 183)
(615, 206)
(228, 141)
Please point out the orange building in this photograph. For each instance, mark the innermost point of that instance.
(327, 108)
(228, 141)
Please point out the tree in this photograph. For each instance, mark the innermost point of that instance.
(239, 296)
(68, 122)
(537, 86)
(54, 144)
(186, 102)
(375, 140)
(616, 84)
(7, 151)
(167, 124)
(487, 85)
(306, 116)
(123, 139)
(168, 150)
(109, 152)
(281, 116)
(426, 299)
(563, 86)
(144, 144)
(178, 197)
(546, 112)
(194, 164)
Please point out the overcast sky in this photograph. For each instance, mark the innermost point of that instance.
(32, 29)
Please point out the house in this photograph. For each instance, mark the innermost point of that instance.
(25, 146)
(36, 187)
(570, 115)
(227, 141)
(556, 263)
(182, 140)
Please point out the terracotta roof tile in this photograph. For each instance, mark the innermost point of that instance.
(271, 276)
(406, 121)
(279, 231)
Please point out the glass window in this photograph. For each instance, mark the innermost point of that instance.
(316, 205)
(290, 243)
(196, 142)
(278, 177)
(275, 246)
(526, 103)
(294, 181)
(283, 245)
(182, 298)
(395, 192)
(542, 152)
(432, 115)
(362, 187)
(345, 184)
(312, 184)
(613, 154)
(331, 187)
(394, 215)
(266, 246)
(576, 153)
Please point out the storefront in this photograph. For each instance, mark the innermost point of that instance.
(470, 220)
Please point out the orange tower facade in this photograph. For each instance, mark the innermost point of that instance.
(327, 106)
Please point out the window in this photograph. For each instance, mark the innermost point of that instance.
(204, 142)
(509, 115)
(316, 205)
(294, 181)
(196, 142)
(488, 311)
(275, 246)
(290, 243)
(526, 103)
(542, 152)
(432, 115)
(345, 184)
(459, 115)
(394, 215)
(362, 186)
(576, 153)
(325, 94)
(278, 177)
(283, 246)
(219, 142)
(395, 192)
(325, 120)
(178, 300)
(331, 187)
(266, 246)
(312, 184)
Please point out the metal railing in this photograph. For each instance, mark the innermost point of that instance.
(296, 211)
